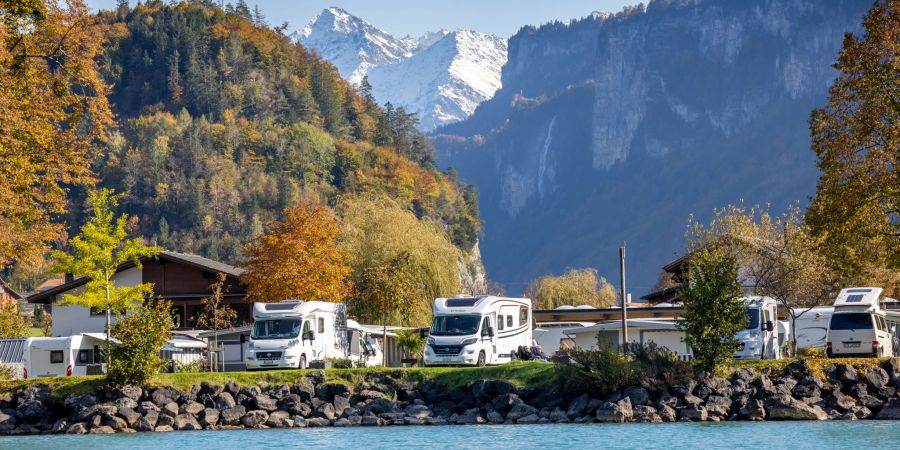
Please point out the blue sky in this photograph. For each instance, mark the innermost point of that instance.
(414, 17)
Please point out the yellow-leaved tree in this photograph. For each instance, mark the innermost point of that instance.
(97, 252)
(400, 263)
(54, 114)
(297, 258)
(575, 287)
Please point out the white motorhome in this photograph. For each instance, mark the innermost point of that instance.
(293, 333)
(64, 356)
(478, 330)
(811, 326)
(759, 339)
(858, 327)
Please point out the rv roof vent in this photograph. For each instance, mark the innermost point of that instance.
(282, 306)
(462, 302)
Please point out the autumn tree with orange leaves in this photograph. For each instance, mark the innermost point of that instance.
(297, 258)
(53, 115)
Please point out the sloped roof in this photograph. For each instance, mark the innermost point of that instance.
(197, 261)
(12, 292)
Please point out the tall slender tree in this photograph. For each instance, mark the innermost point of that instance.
(97, 252)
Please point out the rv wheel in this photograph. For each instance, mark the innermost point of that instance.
(481, 359)
(302, 361)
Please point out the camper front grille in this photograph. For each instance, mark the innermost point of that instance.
(268, 355)
(446, 349)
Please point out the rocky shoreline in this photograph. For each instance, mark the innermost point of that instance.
(387, 399)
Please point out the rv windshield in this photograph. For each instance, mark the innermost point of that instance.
(276, 329)
(852, 321)
(752, 319)
(455, 325)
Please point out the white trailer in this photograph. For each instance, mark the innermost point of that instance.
(811, 326)
(759, 339)
(64, 356)
(478, 330)
(292, 333)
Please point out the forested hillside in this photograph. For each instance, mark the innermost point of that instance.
(223, 122)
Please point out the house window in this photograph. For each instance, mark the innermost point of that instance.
(321, 325)
(85, 357)
(56, 357)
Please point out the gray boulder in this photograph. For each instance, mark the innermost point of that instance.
(845, 373)
(165, 419)
(788, 408)
(637, 395)
(77, 428)
(164, 395)
(618, 412)
(891, 410)
(341, 403)
(114, 422)
(529, 419)
(103, 429)
(877, 378)
(718, 406)
(752, 410)
(280, 419)
(232, 416)
(191, 407)
(186, 422)
(170, 409)
(646, 414)
(147, 422)
(839, 401)
(265, 403)
(164, 429)
(209, 417)
(519, 410)
(317, 422)
(667, 413)
(693, 414)
(255, 418)
(558, 415)
(224, 401)
(326, 411)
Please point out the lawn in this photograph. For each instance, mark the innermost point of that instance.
(35, 332)
(519, 373)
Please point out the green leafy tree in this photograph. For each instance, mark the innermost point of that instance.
(141, 335)
(12, 324)
(216, 315)
(713, 310)
(856, 138)
(97, 252)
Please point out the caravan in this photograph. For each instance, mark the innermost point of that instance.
(293, 333)
(858, 327)
(478, 330)
(759, 339)
(63, 356)
(811, 326)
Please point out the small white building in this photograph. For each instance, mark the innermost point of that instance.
(662, 332)
(551, 336)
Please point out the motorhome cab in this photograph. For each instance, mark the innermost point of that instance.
(857, 326)
(759, 339)
(478, 330)
(63, 356)
(292, 333)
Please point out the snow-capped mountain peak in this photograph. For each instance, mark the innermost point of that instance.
(442, 75)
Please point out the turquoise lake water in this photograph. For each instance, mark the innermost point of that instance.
(730, 435)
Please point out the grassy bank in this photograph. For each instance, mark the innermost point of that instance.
(519, 373)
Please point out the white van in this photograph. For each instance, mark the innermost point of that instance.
(759, 339)
(292, 333)
(478, 330)
(811, 326)
(857, 327)
(64, 356)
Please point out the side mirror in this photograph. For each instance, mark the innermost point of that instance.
(768, 326)
(490, 331)
(308, 336)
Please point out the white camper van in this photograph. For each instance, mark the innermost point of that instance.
(478, 330)
(811, 326)
(759, 340)
(292, 333)
(64, 356)
(857, 327)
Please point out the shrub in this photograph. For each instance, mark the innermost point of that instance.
(9, 372)
(341, 363)
(190, 367)
(811, 353)
(141, 335)
(657, 367)
(599, 372)
(411, 342)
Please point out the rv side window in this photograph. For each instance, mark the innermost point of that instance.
(500, 323)
(56, 357)
(523, 315)
(509, 323)
(321, 325)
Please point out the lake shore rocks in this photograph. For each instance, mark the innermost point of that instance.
(387, 399)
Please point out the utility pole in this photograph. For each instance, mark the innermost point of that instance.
(624, 298)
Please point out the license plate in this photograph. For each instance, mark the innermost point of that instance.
(851, 344)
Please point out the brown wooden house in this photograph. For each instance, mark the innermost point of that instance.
(181, 278)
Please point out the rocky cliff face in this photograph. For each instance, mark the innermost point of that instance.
(442, 76)
(617, 128)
